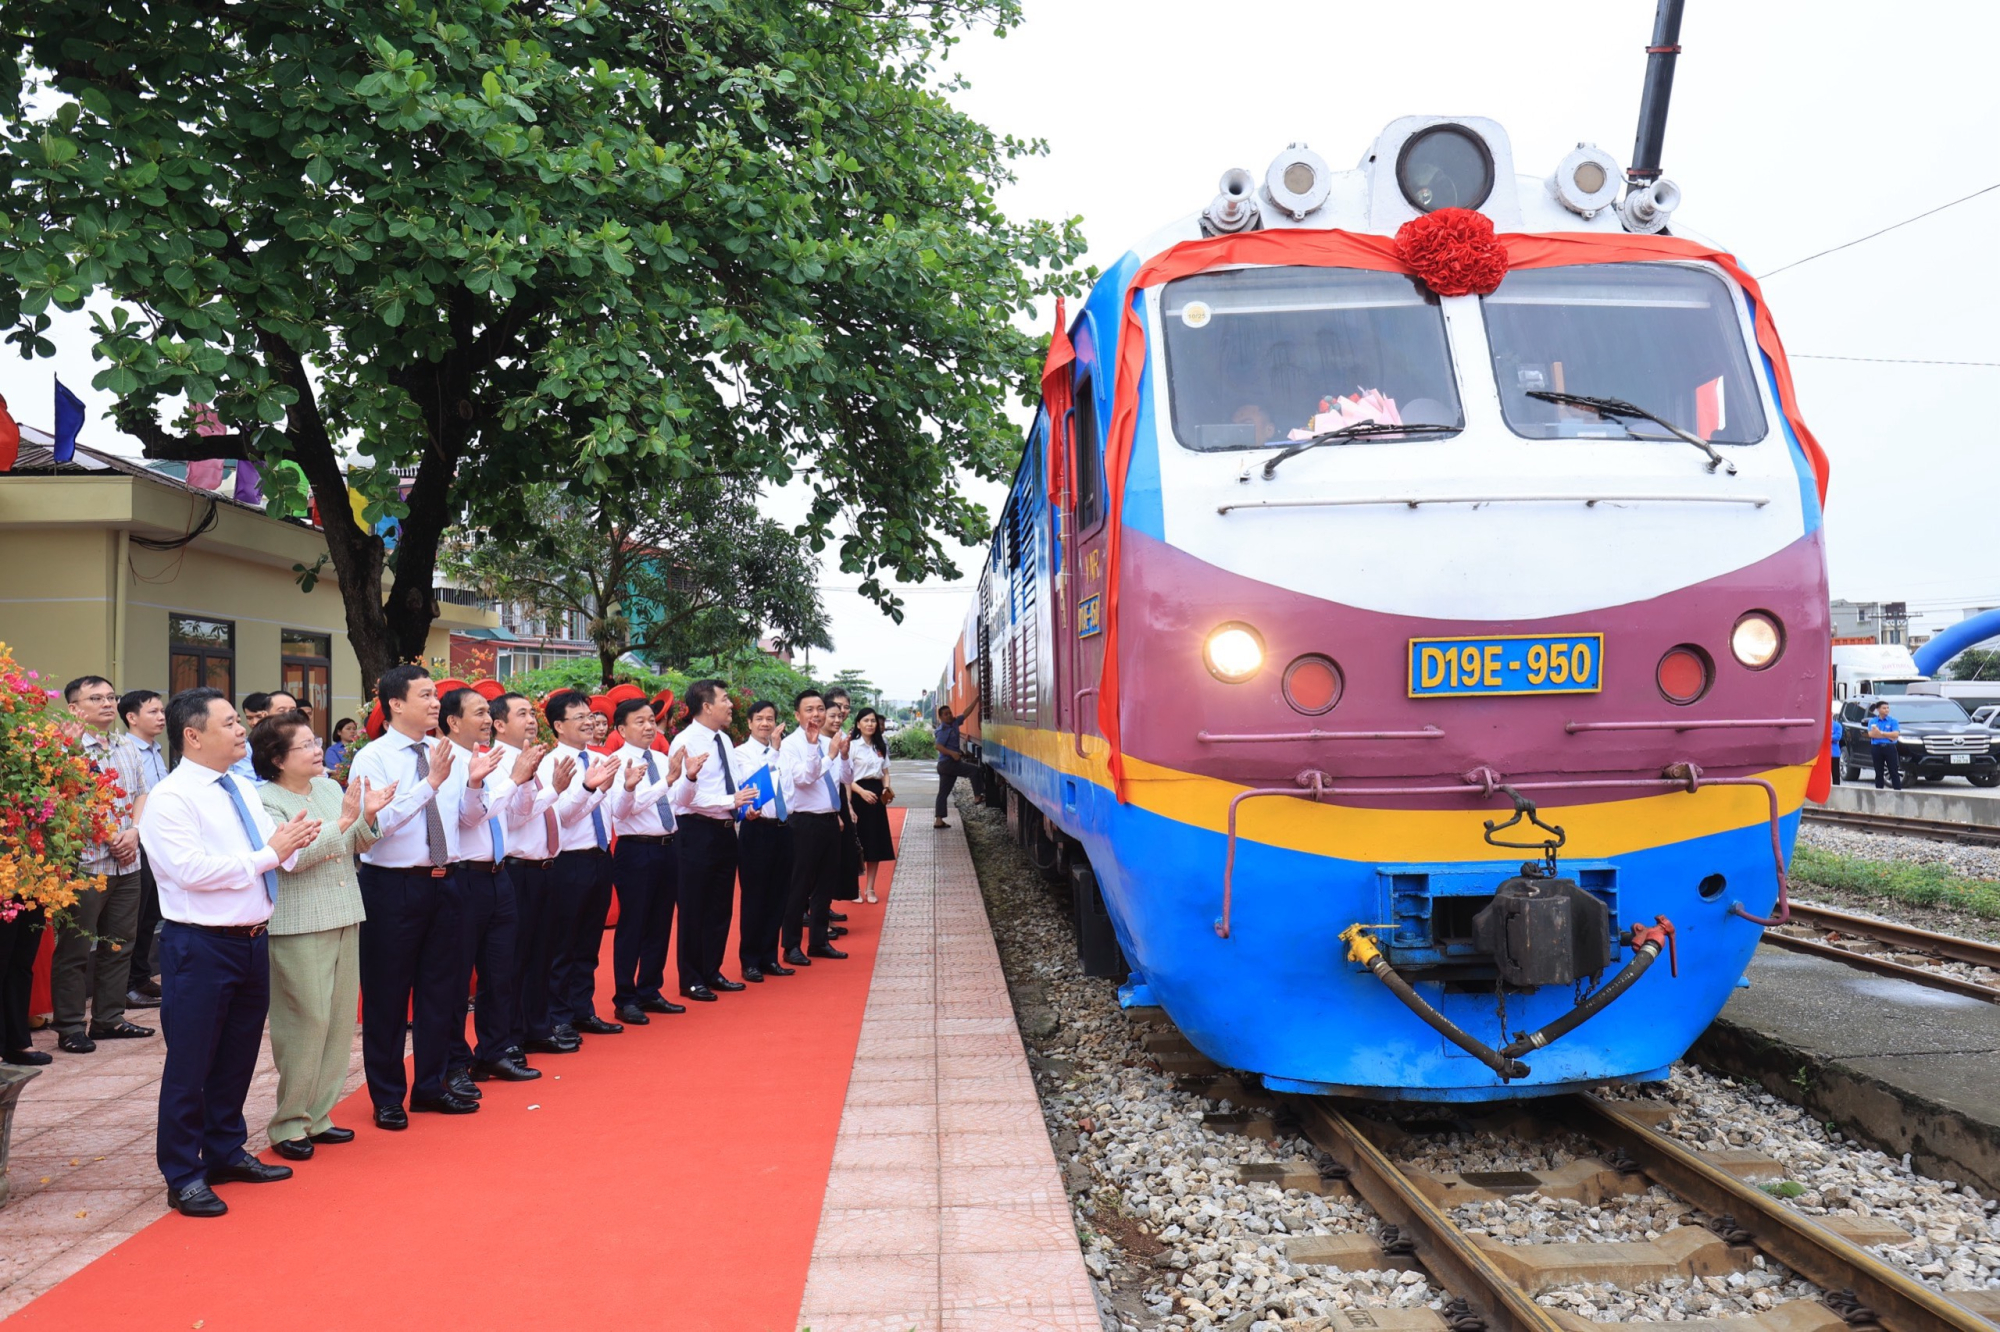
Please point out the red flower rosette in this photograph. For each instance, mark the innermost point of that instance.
(1453, 252)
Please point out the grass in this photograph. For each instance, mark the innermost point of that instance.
(1785, 1188)
(1898, 881)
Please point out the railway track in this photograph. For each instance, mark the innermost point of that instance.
(1939, 830)
(1906, 938)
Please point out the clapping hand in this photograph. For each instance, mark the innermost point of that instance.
(442, 755)
(350, 802)
(695, 759)
(482, 763)
(745, 795)
(564, 773)
(526, 762)
(600, 774)
(676, 761)
(373, 802)
(633, 773)
(296, 832)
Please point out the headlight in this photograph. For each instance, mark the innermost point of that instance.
(1233, 652)
(1757, 640)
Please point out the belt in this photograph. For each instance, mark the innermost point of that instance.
(646, 839)
(416, 871)
(233, 931)
(725, 819)
(529, 864)
(811, 814)
(486, 866)
(582, 851)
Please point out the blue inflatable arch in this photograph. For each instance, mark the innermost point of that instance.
(1932, 656)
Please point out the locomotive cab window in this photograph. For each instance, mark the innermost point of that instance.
(1089, 474)
(1661, 337)
(1262, 357)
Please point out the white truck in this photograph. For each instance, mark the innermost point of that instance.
(1876, 669)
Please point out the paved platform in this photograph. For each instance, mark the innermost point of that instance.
(1914, 1068)
(1957, 801)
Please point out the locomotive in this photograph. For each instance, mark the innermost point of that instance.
(1407, 632)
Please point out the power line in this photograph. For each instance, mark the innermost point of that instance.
(1873, 234)
(1886, 360)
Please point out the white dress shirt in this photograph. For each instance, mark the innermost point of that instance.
(404, 843)
(208, 872)
(804, 768)
(865, 762)
(707, 795)
(645, 810)
(573, 808)
(521, 821)
(753, 754)
(469, 836)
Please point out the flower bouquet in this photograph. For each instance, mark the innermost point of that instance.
(54, 803)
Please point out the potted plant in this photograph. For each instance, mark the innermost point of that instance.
(54, 804)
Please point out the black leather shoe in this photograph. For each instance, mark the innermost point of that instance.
(294, 1149)
(630, 1015)
(75, 1042)
(825, 950)
(597, 1026)
(334, 1136)
(503, 1070)
(447, 1104)
(30, 1057)
(248, 1171)
(701, 994)
(391, 1117)
(836, 915)
(564, 1032)
(196, 1200)
(836, 931)
(754, 976)
(661, 1006)
(460, 1084)
(724, 983)
(134, 999)
(123, 1031)
(550, 1045)
(148, 987)
(773, 969)
(795, 958)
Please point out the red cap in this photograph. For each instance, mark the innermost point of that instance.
(489, 689)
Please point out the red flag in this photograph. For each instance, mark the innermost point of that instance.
(10, 439)
(1055, 401)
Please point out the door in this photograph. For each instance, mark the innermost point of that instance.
(1084, 551)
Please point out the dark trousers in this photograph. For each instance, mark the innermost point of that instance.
(764, 847)
(1888, 766)
(949, 770)
(145, 935)
(647, 876)
(582, 900)
(20, 938)
(491, 923)
(533, 925)
(214, 992)
(93, 957)
(412, 955)
(707, 896)
(816, 848)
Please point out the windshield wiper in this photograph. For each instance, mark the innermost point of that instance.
(1613, 408)
(1359, 430)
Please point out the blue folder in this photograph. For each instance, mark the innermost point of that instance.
(764, 783)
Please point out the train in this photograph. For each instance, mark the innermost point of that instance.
(1406, 637)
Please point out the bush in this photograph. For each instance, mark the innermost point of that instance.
(912, 742)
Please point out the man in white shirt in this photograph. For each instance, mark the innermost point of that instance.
(479, 861)
(645, 866)
(812, 768)
(764, 848)
(414, 937)
(707, 797)
(580, 892)
(532, 840)
(215, 853)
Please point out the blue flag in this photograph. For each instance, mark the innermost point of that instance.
(764, 784)
(69, 420)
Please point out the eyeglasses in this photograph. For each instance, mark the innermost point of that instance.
(311, 746)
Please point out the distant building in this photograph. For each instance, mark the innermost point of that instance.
(1886, 622)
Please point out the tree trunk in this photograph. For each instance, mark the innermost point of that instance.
(608, 661)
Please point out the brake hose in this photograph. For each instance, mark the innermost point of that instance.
(1362, 948)
(1648, 941)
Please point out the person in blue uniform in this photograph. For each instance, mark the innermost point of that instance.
(1882, 737)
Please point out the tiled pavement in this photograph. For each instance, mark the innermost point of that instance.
(944, 1211)
(82, 1164)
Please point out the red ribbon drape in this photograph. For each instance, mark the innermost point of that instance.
(1056, 400)
(1346, 249)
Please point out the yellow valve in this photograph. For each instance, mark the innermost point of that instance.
(1360, 944)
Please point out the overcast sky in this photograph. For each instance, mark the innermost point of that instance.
(1794, 128)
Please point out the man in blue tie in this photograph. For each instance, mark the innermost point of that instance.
(764, 846)
(812, 767)
(645, 866)
(215, 854)
(580, 879)
(707, 799)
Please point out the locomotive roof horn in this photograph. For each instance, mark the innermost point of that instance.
(1234, 208)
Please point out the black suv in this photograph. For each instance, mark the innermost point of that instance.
(1937, 740)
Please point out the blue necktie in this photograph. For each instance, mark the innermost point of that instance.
(596, 814)
(777, 786)
(664, 808)
(250, 830)
(499, 841)
(832, 791)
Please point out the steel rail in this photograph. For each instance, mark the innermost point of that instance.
(1950, 946)
(1450, 1257)
(1941, 830)
(1937, 980)
(1811, 1250)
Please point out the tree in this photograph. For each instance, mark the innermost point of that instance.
(673, 572)
(863, 693)
(496, 242)
(1976, 664)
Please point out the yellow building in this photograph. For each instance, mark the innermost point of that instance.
(111, 567)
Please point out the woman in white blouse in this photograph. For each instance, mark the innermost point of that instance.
(871, 796)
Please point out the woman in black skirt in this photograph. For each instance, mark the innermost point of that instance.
(872, 795)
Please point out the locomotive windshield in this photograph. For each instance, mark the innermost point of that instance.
(1660, 336)
(1260, 356)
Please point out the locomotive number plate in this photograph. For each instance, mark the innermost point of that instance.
(1506, 664)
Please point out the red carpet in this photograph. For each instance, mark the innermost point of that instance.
(671, 1178)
